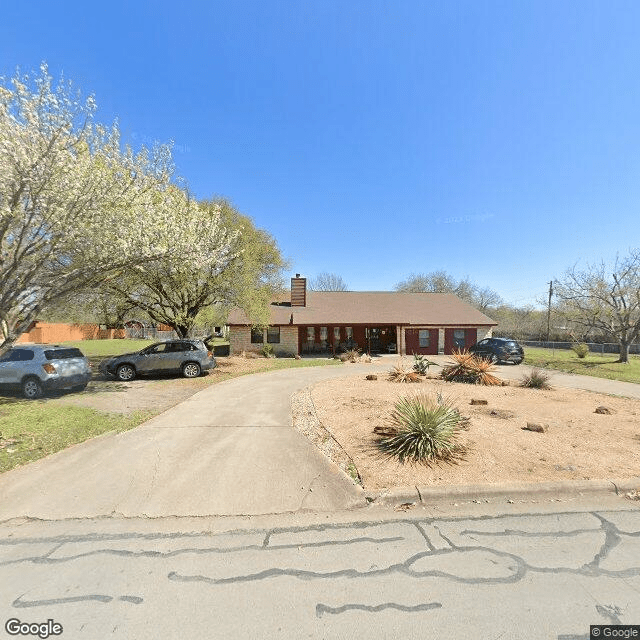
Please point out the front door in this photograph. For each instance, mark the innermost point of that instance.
(373, 339)
(459, 339)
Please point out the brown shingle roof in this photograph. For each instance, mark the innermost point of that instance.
(374, 307)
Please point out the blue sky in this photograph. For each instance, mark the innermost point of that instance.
(495, 140)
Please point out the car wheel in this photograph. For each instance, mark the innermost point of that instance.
(191, 370)
(79, 388)
(125, 372)
(31, 388)
(493, 358)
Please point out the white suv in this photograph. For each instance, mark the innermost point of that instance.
(36, 368)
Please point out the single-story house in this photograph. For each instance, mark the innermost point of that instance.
(373, 321)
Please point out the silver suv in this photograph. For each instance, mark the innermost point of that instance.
(36, 368)
(189, 357)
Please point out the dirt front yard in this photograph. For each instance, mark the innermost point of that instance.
(579, 444)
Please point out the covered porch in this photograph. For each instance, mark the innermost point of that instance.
(335, 339)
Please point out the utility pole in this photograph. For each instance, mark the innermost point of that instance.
(549, 311)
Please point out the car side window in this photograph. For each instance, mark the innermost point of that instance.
(484, 342)
(17, 355)
(159, 348)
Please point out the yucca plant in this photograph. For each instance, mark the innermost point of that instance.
(400, 374)
(423, 429)
(469, 368)
(537, 379)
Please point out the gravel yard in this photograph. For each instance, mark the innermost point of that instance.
(579, 443)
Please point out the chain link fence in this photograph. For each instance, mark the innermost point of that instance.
(594, 347)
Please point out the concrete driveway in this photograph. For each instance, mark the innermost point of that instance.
(229, 449)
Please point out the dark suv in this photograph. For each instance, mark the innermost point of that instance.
(498, 350)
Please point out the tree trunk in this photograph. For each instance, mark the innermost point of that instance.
(624, 353)
(182, 331)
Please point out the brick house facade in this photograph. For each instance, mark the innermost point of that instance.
(388, 322)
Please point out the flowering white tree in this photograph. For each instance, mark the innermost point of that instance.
(76, 208)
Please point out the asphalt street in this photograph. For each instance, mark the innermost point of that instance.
(537, 571)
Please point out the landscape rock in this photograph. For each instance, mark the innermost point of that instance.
(475, 401)
(537, 427)
(502, 413)
(372, 376)
(604, 410)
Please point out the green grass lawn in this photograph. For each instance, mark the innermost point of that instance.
(30, 430)
(105, 348)
(33, 429)
(598, 366)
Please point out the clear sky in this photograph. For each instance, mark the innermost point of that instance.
(497, 140)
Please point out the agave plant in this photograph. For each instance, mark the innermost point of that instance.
(468, 367)
(421, 364)
(423, 429)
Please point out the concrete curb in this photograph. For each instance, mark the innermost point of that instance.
(519, 490)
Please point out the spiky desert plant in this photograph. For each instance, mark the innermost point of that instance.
(422, 429)
(350, 355)
(469, 368)
(421, 364)
(536, 379)
(400, 374)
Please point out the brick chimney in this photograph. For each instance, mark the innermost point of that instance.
(298, 291)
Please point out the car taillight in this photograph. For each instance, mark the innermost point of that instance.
(49, 368)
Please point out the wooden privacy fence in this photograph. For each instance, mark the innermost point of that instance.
(54, 332)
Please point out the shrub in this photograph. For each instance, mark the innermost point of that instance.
(350, 355)
(267, 351)
(581, 349)
(537, 379)
(469, 368)
(400, 374)
(423, 429)
(421, 364)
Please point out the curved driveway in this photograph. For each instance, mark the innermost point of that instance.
(228, 450)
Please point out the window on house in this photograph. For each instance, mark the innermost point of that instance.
(349, 332)
(323, 334)
(311, 334)
(257, 336)
(336, 335)
(424, 337)
(273, 335)
(458, 338)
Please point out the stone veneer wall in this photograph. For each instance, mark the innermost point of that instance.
(240, 340)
